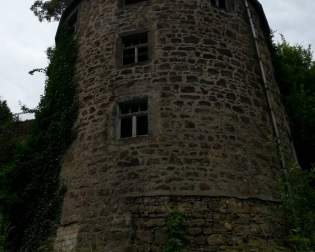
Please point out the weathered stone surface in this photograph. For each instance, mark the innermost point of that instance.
(210, 151)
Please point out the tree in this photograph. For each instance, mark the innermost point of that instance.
(7, 149)
(299, 209)
(5, 113)
(295, 73)
(33, 208)
(6, 132)
(50, 9)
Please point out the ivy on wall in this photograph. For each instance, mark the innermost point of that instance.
(7, 149)
(299, 209)
(33, 180)
(176, 232)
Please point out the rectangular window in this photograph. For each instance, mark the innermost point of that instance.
(132, 1)
(133, 117)
(135, 48)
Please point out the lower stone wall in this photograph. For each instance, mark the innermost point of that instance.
(66, 238)
(213, 224)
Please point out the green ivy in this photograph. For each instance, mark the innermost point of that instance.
(299, 209)
(176, 232)
(7, 150)
(33, 178)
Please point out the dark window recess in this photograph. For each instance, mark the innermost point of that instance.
(135, 48)
(135, 39)
(133, 1)
(214, 3)
(143, 106)
(142, 125)
(220, 4)
(133, 116)
(143, 54)
(124, 108)
(126, 127)
(129, 56)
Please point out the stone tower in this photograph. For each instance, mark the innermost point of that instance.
(178, 111)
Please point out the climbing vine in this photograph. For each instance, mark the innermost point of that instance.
(299, 209)
(176, 232)
(33, 180)
(7, 149)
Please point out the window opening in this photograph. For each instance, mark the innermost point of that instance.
(214, 3)
(220, 4)
(132, 1)
(135, 48)
(133, 116)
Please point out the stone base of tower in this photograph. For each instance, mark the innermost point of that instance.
(212, 224)
(67, 238)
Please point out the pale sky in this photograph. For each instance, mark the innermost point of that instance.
(24, 40)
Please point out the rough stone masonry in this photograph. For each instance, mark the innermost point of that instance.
(210, 151)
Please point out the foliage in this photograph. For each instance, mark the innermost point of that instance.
(299, 207)
(37, 70)
(295, 73)
(7, 148)
(5, 113)
(33, 177)
(260, 245)
(175, 229)
(6, 133)
(50, 9)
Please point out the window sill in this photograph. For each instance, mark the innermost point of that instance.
(133, 5)
(128, 138)
(143, 63)
(133, 140)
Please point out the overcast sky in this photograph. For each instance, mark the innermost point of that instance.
(24, 40)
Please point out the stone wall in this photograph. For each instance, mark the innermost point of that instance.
(211, 144)
(212, 224)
